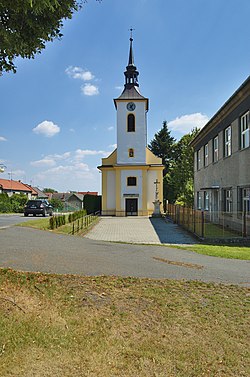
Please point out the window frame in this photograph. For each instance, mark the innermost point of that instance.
(130, 126)
(244, 131)
(216, 149)
(206, 155)
(199, 200)
(129, 184)
(228, 200)
(199, 159)
(228, 141)
(131, 153)
(206, 200)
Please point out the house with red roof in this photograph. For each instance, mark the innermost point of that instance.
(10, 187)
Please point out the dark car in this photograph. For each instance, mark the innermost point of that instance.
(38, 207)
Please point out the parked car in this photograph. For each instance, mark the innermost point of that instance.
(38, 207)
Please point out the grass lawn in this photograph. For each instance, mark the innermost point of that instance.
(108, 326)
(223, 251)
(43, 224)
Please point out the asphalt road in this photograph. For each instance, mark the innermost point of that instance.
(9, 220)
(34, 250)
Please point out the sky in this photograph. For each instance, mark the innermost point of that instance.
(57, 116)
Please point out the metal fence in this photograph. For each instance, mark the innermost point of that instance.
(82, 223)
(211, 225)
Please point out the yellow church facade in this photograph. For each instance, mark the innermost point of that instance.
(132, 174)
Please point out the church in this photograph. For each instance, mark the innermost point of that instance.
(131, 174)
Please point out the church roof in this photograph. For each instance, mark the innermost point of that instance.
(131, 94)
(131, 90)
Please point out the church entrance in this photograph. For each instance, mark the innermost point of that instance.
(131, 207)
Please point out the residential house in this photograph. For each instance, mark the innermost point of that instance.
(222, 162)
(10, 187)
(71, 200)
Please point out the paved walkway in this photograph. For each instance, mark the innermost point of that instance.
(139, 230)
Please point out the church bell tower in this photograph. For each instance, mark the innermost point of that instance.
(128, 174)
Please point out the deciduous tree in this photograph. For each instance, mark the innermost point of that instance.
(26, 26)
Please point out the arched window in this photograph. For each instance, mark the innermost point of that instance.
(131, 152)
(131, 123)
(131, 181)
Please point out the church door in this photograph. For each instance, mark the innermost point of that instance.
(131, 207)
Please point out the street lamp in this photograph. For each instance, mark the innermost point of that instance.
(2, 168)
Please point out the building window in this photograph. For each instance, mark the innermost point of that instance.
(227, 142)
(244, 131)
(131, 152)
(199, 159)
(131, 123)
(244, 200)
(199, 200)
(215, 149)
(228, 201)
(131, 181)
(206, 200)
(206, 155)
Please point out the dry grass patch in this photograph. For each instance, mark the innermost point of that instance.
(110, 326)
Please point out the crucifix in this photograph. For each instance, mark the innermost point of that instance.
(131, 32)
(156, 189)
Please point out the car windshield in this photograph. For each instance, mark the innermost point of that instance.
(33, 203)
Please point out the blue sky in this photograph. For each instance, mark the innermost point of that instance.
(57, 117)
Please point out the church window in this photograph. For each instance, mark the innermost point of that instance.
(131, 152)
(131, 181)
(131, 123)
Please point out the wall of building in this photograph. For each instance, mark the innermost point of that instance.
(229, 175)
(111, 190)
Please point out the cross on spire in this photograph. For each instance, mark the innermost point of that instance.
(131, 33)
(131, 73)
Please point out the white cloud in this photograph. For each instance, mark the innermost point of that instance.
(119, 87)
(72, 130)
(81, 153)
(186, 123)
(46, 128)
(2, 138)
(113, 146)
(89, 90)
(18, 172)
(110, 128)
(44, 162)
(79, 73)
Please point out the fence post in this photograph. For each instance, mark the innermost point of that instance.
(244, 224)
(202, 224)
(73, 228)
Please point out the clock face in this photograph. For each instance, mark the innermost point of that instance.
(131, 106)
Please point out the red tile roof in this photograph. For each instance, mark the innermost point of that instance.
(88, 192)
(11, 185)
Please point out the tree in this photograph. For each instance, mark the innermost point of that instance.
(48, 189)
(162, 146)
(178, 182)
(57, 204)
(26, 26)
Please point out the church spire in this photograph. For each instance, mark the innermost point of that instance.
(131, 74)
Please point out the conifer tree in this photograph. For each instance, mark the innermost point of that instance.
(162, 146)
